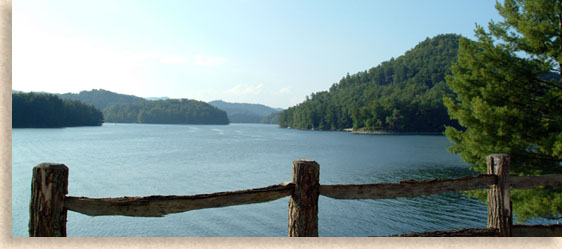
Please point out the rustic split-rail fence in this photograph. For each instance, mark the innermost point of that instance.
(49, 200)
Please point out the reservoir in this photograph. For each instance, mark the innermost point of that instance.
(117, 160)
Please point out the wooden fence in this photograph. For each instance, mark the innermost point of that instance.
(49, 200)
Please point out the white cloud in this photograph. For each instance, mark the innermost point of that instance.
(282, 91)
(209, 61)
(235, 89)
(245, 90)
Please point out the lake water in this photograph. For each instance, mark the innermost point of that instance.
(117, 160)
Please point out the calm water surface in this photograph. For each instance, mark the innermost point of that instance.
(138, 160)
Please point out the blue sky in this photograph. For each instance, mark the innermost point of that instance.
(254, 51)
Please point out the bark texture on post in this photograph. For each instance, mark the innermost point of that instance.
(47, 215)
(499, 200)
(303, 205)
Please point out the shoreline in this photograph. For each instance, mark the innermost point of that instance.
(387, 132)
(374, 132)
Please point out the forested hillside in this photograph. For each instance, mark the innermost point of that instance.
(271, 118)
(101, 98)
(402, 94)
(243, 112)
(33, 110)
(122, 108)
(171, 111)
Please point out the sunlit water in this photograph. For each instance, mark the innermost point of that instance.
(139, 160)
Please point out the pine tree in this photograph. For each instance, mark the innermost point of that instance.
(509, 99)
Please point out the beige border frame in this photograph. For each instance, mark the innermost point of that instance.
(7, 241)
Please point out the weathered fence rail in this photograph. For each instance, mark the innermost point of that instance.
(522, 182)
(49, 202)
(158, 205)
(408, 188)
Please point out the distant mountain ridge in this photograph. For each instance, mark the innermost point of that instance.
(126, 108)
(123, 108)
(246, 113)
(101, 98)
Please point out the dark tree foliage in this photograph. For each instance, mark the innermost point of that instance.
(402, 94)
(101, 98)
(171, 111)
(509, 98)
(32, 110)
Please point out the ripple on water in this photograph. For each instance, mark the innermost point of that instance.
(129, 159)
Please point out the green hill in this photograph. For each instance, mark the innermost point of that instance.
(39, 110)
(101, 98)
(243, 112)
(122, 108)
(170, 111)
(403, 94)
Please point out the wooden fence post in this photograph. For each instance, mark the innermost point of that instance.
(303, 205)
(499, 200)
(47, 215)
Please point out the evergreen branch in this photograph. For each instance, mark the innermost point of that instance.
(549, 83)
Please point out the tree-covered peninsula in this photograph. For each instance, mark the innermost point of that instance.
(403, 94)
(171, 111)
(34, 110)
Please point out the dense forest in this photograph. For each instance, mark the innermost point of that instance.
(33, 110)
(402, 94)
(101, 98)
(243, 112)
(171, 111)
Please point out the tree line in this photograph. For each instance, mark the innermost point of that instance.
(171, 111)
(33, 110)
(43, 110)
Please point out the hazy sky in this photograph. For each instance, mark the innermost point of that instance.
(263, 51)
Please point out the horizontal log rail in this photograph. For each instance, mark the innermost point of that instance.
(554, 230)
(411, 188)
(407, 188)
(158, 205)
(49, 202)
(465, 232)
(519, 230)
(523, 182)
